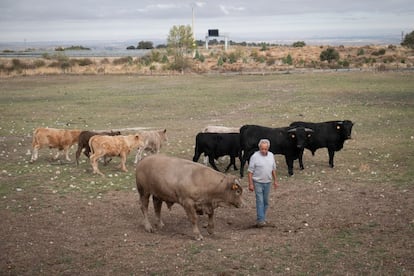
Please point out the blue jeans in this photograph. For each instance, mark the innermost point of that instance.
(262, 199)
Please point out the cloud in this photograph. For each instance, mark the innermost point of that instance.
(229, 9)
(132, 18)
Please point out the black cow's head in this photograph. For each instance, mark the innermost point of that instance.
(301, 136)
(344, 129)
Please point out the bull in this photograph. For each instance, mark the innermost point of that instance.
(215, 145)
(285, 140)
(197, 188)
(331, 135)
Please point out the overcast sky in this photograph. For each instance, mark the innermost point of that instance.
(241, 20)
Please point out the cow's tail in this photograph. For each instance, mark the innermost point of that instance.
(91, 147)
(35, 140)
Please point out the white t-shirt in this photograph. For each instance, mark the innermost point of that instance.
(262, 166)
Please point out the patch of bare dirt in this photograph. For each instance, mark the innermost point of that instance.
(321, 227)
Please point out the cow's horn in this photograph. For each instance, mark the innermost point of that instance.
(292, 130)
(309, 129)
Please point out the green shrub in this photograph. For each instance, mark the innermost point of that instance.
(220, 61)
(232, 57)
(329, 55)
(299, 44)
(201, 58)
(264, 46)
(17, 64)
(164, 59)
(343, 63)
(361, 52)
(155, 56)
(288, 60)
(145, 60)
(65, 65)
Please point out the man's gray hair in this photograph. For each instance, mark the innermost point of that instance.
(264, 141)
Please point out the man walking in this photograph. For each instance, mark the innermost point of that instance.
(261, 174)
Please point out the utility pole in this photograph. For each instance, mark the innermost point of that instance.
(193, 30)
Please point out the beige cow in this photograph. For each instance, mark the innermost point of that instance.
(104, 145)
(152, 141)
(62, 139)
(197, 188)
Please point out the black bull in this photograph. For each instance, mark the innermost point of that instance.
(330, 135)
(288, 141)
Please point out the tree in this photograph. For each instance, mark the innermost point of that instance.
(180, 42)
(329, 55)
(408, 40)
(146, 45)
(299, 44)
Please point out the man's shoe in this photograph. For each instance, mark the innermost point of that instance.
(261, 224)
(269, 224)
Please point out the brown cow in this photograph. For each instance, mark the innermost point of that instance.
(104, 145)
(62, 139)
(83, 141)
(199, 189)
(152, 141)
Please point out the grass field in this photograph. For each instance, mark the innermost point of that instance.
(358, 218)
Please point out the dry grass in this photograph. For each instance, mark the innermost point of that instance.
(236, 59)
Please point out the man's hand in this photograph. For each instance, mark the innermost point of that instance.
(251, 187)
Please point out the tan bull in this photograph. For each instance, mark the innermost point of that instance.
(197, 188)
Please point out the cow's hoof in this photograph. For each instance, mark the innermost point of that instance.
(149, 228)
(199, 237)
(159, 225)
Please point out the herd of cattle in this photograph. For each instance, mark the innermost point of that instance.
(196, 187)
(289, 141)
